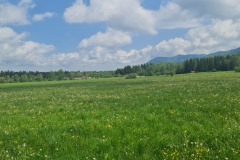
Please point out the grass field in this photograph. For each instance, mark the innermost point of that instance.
(192, 116)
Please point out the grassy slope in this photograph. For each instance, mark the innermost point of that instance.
(184, 116)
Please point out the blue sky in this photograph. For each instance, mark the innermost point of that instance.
(110, 34)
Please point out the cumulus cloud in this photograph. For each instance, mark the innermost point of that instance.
(103, 49)
(130, 15)
(219, 9)
(111, 38)
(63, 60)
(43, 16)
(16, 50)
(7, 34)
(15, 14)
(172, 16)
(106, 59)
(27, 4)
(217, 36)
(102, 58)
(11, 14)
(172, 47)
(17, 53)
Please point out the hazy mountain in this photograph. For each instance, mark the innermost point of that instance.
(222, 53)
(182, 58)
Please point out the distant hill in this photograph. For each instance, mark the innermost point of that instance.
(182, 58)
(177, 58)
(223, 53)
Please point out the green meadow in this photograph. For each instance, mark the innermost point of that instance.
(190, 116)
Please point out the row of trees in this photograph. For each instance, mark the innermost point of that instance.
(152, 69)
(209, 64)
(217, 63)
(23, 76)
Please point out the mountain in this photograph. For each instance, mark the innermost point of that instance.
(177, 58)
(182, 58)
(223, 53)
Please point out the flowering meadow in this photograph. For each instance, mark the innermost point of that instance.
(190, 116)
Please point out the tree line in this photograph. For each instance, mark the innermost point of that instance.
(152, 69)
(217, 63)
(209, 64)
(24, 76)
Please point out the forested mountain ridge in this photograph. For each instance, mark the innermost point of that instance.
(182, 58)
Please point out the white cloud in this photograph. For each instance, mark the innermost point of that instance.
(15, 14)
(14, 49)
(220, 9)
(62, 60)
(103, 50)
(131, 16)
(172, 16)
(32, 48)
(17, 53)
(219, 35)
(105, 58)
(128, 16)
(27, 4)
(111, 38)
(41, 17)
(8, 34)
(172, 47)
(11, 14)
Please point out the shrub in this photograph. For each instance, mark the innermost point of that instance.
(2, 80)
(214, 70)
(169, 72)
(131, 76)
(237, 69)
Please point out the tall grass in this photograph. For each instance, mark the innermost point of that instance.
(194, 116)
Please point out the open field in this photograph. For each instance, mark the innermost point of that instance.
(192, 116)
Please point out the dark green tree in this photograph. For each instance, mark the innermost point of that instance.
(60, 74)
(51, 76)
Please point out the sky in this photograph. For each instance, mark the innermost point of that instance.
(99, 35)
